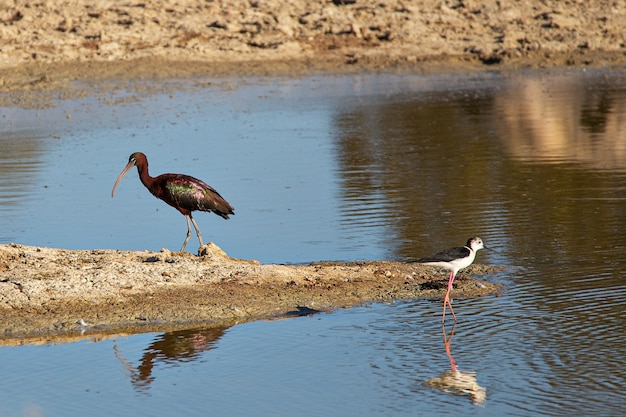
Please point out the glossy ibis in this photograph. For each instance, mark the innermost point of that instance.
(454, 259)
(184, 193)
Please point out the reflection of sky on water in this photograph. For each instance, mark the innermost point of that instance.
(317, 168)
(355, 167)
(382, 359)
(371, 167)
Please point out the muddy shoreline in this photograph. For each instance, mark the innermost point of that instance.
(56, 290)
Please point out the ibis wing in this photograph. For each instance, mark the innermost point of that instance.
(193, 194)
(447, 255)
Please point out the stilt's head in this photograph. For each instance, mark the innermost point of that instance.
(475, 244)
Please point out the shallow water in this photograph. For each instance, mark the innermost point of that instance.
(385, 166)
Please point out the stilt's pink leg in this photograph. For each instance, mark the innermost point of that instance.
(446, 299)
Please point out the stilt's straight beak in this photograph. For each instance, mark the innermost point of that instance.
(124, 172)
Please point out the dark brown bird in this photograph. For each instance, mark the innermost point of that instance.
(184, 193)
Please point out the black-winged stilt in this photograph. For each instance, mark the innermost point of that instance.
(454, 259)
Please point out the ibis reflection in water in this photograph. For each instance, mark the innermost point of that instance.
(183, 192)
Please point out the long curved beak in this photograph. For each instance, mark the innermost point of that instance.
(124, 172)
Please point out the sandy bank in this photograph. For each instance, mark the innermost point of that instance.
(48, 44)
(43, 289)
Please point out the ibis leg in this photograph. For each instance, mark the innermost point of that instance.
(195, 225)
(446, 299)
(188, 234)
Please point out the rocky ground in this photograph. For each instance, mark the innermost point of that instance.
(46, 45)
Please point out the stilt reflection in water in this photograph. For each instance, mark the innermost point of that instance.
(458, 382)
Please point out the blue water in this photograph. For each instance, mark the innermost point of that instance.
(373, 360)
(387, 166)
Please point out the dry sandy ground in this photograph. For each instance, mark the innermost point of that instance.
(48, 290)
(46, 45)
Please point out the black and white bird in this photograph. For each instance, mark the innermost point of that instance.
(454, 259)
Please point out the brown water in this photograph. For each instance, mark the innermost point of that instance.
(356, 167)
